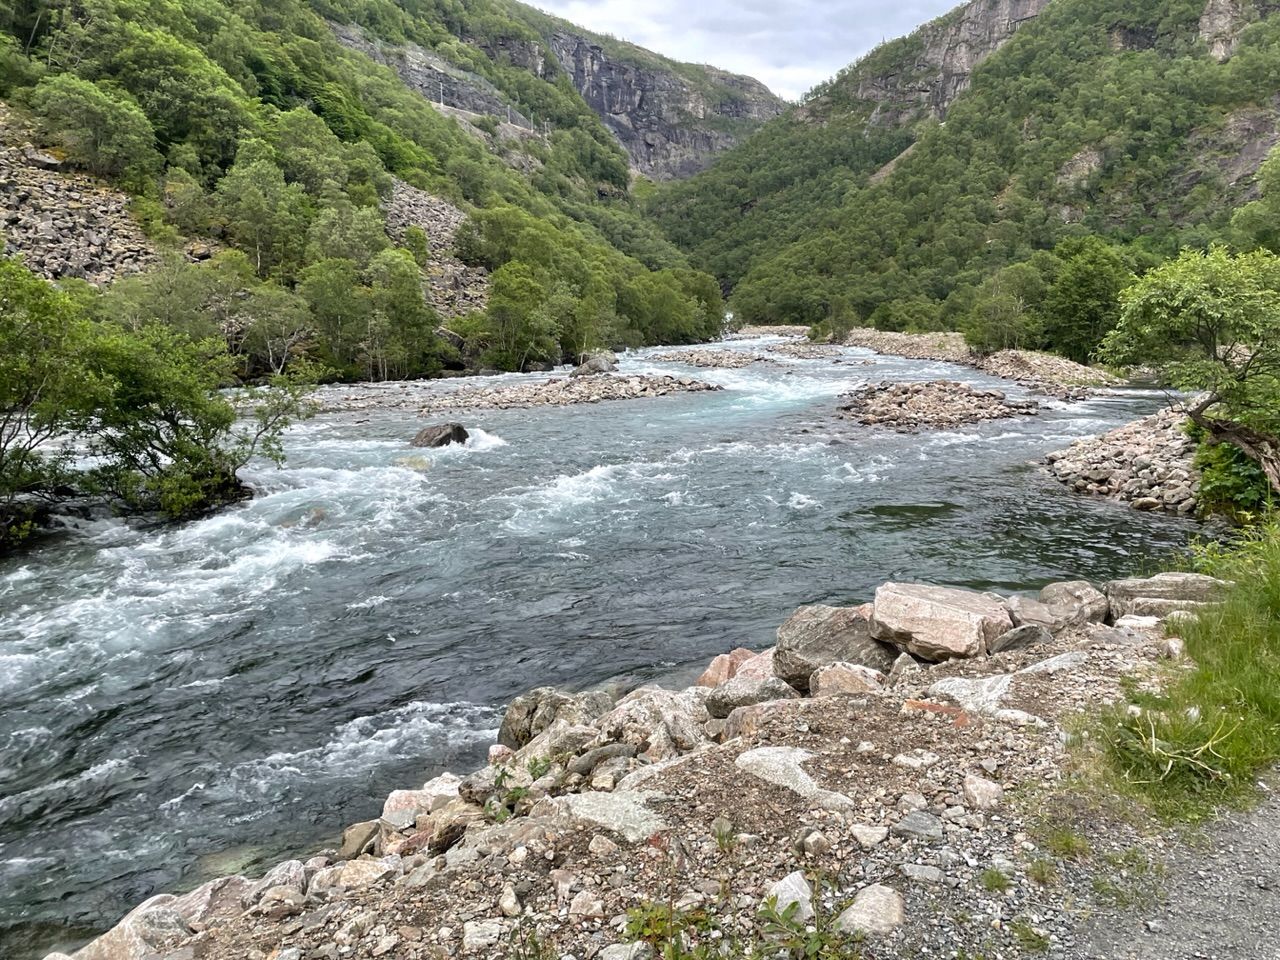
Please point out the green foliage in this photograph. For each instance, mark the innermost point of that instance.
(1218, 725)
(105, 133)
(1211, 323)
(142, 399)
(1231, 483)
(1062, 136)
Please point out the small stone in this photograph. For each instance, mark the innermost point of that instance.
(793, 888)
(920, 873)
(919, 825)
(981, 793)
(480, 934)
(876, 911)
(509, 903)
(602, 846)
(869, 837)
(585, 905)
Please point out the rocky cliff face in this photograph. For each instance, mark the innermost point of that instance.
(671, 126)
(941, 58)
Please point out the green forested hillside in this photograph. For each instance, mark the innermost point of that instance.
(248, 124)
(1103, 134)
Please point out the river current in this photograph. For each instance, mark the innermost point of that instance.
(178, 703)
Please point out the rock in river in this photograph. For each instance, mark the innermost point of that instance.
(440, 435)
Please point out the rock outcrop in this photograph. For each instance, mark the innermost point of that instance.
(1148, 464)
(943, 56)
(670, 126)
(452, 287)
(63, 224)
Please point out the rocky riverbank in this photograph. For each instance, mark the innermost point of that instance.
(427, 396)
(804, 350)
(711, 359)
(909, 407)
(1043, 372)
(1148, 464)
(909, 752)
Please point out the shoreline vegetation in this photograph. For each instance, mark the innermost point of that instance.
(877, 780)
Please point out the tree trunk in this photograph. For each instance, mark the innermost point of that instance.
(1262, 448)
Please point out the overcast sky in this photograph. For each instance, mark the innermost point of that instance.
(791, 45)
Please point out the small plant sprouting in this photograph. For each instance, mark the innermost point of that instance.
(994, 881)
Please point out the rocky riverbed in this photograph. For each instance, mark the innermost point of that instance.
(910, 752)
(710, 359)
(908, 407)
(1148, 464)
(428, 397)
(1043, 372)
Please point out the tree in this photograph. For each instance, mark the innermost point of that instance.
(1083, 302)
(265, 216)
(1005, 312)
(103, 131)
(1211, 323)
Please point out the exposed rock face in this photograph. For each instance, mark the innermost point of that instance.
(435, 78)
(1147, 464)
(63, 224)
(950, 47)
(670, 127)
(1220, 26)
(938, 623)
(452, 287)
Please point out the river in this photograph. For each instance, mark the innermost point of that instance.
(185, 701)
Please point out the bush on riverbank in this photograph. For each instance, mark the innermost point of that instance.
(1206, 739)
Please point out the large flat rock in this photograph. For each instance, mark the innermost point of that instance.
(938, 623)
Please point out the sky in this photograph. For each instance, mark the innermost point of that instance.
(790, 45)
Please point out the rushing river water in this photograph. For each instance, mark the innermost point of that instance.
(182, 702)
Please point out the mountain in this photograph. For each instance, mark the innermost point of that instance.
(998, 131)
(307, 157)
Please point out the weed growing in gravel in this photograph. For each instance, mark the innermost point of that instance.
(1030, 939)
(1219, 725)
(1043, 872)
(994, 881)
(1065, 842)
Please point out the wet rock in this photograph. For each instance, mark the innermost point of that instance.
(815, 636)
(441, 435)
(938, 623)
(595, 365)
(744, 692)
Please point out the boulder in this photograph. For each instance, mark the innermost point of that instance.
(845, 680)
(1074, 603)
(759, 666)
(213, 903)
(1163, 594)
(981, 793)
(876, 911)
(142, 932)
(403, 807)
(938, 623)
(600, 363)
(531, 713)
(352, 875)
(744, 692)
(441, 435)
(660, 723)
(290, 874)
(357, 838)
(1019, 638)
(724, 667)
(818, 635)
(623, 812)
(1026, 611)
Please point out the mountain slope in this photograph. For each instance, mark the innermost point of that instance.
(273, 140)
(1142, 122)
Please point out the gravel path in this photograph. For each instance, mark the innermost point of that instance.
(1221, 898)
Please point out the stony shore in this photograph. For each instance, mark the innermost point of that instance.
(1148, 464)
(908, 752)
(711, 359)
(909, 407)
(1043, 372)
(427, 397)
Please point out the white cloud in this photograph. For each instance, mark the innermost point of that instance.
(790, 45)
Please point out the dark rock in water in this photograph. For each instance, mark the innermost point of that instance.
(597, 364)
(441, 435)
